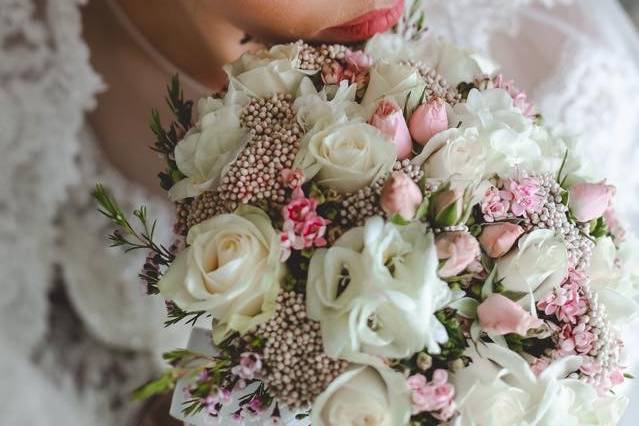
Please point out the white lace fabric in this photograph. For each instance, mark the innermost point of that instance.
(582, 74)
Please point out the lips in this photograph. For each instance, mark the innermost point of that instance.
(367, 25)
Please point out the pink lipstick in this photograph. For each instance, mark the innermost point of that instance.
(367, 25)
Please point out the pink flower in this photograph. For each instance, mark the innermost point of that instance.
(292, 178)
(540, 364)
(590, 367)
(303, 227)
(436, 397)
(589, 201)
(248, 368)
(565, 302)
(459, 249)
(500, 315)
(427, 120)
(389, 119)
(498, 239)
(522, 194)
(400, 195)
(520, 99)
(493, 206)
(358, 60)
(614, 225)
(332, 73)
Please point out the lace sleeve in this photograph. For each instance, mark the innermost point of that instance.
(46, 84)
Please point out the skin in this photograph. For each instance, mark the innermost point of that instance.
(198, 37)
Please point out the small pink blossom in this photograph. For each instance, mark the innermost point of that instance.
(249, 366)
(520, 99)
(493, 207)
(358, 60)
(590, 367)
(500, 315)
(523, 195)
(292, 178)
(566, 302)
(332, 73)
(303, 227)
(614, 225)
(436, 397)
(540, 364)
(458, 249)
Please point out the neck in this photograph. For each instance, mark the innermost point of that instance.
(190, 34)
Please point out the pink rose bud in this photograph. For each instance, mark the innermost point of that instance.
(498, 239)
(458, 249)
(427, 120)
(332, 73)
(500, 315)
(400, 195)
(590, 201)
(389, 119)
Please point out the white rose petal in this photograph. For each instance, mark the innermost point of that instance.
(208, 149)
(498, 388)
(538, 265)
(458, 153)
(230, 269)
(395, 81)
(368, 393)
(264, 73)
(346, 157)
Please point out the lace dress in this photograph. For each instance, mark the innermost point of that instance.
(76, 332)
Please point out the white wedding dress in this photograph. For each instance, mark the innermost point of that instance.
(76, 332)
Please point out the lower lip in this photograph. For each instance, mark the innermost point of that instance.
(367, 25)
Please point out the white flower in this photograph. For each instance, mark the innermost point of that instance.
(396, 81)
(503, 127)
(458, 153)
(451, 62)
(537, 265)
(264, 73)
(208, 148)
(498, 388)
(313, 108)
(368, 393)
(613, 281)
(376, 291)
(230, 269)
(346, 156)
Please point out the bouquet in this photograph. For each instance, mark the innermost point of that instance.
(385, 235)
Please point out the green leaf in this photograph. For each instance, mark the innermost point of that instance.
(422, 210)
(448, 216)
(163, 384)
(466, 307)
(397, 219)
(487, 288)
(561, 168)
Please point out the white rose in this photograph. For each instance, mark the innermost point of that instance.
(395, 81)
(230, 269)
(537, 265)
(368, 393)
(613, 282)
(376, 291)
(498, 388)
(346, 157)
(266, 72)
(454, 152)
(207, 149)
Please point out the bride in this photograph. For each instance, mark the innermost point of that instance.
(76, 85)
